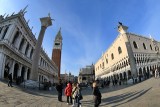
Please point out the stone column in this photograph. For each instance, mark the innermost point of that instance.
(25, 74)
(10, 32)
(45, 22)
(29, 51)
(24, 47)
(12, 67)
(2, 31)
(19, 41)
(19, 70)
(2, 64)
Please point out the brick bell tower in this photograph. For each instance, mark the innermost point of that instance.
(56, 53)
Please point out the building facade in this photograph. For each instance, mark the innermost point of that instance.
(87, 74)
(130, 55)
(68, 77)
(17, 44)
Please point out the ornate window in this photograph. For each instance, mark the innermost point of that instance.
(103, 65)
(119, 50)
(4, 34)
(112, 56)
(21, 44)
(15, 37)
(26, 51)
(31, 53)
(107, 61)
(135, 45)
(151, 46)
(144, 46)
(156, 48)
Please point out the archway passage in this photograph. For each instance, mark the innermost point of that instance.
(140, 71)
(125, 75)
(121, 77)
(22, 73)
(6, 71)
(16, 67)
(140, 74)
(28, 74)
(129, 74)
(144, 73)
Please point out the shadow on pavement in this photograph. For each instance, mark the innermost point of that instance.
(118, 99)
(123, 97)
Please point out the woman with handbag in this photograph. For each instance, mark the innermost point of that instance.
(77, 96)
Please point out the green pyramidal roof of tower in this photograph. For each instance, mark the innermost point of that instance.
(59, 36)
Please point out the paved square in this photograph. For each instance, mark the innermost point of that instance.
(144, 94)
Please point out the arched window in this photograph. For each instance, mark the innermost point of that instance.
(15, 38)
(156, 48)
(144, 46)
(26, 51)
(112, 56)
(4, 34)
(135, 45)
(21, 44)
(151, 46)
(119, 50)
(107, 61)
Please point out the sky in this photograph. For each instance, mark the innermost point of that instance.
(88, 27)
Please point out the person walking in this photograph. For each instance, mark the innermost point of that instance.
(68, 91)
(96, 95)
(59, 88)
(10, 80)
(79, 95)
(74, 94)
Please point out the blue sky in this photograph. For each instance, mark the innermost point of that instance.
(88, 26)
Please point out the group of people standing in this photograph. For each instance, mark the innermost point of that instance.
(74, 95)
(72, 92)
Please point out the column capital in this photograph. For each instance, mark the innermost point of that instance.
(46, 21)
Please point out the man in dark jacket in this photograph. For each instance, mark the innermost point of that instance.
(59, 88)
(10, 80)
(96, 94)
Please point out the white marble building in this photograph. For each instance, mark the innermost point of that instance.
(130, 55)
(17, 44)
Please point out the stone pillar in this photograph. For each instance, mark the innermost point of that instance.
(25, 74)
(29, 51)
(12, 67)
(2, 64)
(19, 41)
(24, 47)
(19, 70)
(10, 32)
(45, 22)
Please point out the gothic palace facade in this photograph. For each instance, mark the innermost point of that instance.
(17, 44)
(130, 55)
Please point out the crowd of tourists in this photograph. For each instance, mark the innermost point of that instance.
(74, 96)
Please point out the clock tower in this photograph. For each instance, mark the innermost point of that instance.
(56, 53)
